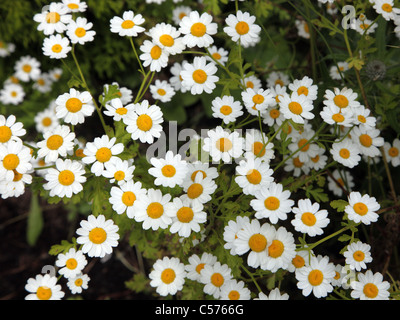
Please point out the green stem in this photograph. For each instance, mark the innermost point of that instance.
(315, 244)
(136, 55)
(252, 278)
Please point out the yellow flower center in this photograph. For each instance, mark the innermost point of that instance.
(280, 82)
(195, 190)
(119, 175)
(66, 177)
(344, 153)
(308, 219)
(272, 203)
(121, 111)
(199, 76)
(198, 29)
(257, 242)
(297, 163)
(168, 170)
(193, 176)
(73, 6)
(217, 279)
(315, 159)
(298, 261)
(393, 152)
(71, 263)
(80, 32)
(358, 255)
(387, 7)
(216, 56)
(155, 52)
(128, 198)
(56, 48)
(144, 122)
(46, 121)
(302, 145)
(276, 249)
(225, 110)
(161, 92)
(155, 210)
(370, 290)
(43, 293)
(200, 267)
(10, 161)
(97, 235)
(315, 277)
(41, 82)
(127, 24)
(360, 208)
(27, 68)
(181, 15)
(295, 107)
(365, 140)
(341, 101)
(254, 176)
(103, 154)
(168, 276)
(167, 40)
(78, 282)
(338, 117)
(79, 153)
(5, 134)
(17, 176)
(258, 99)
(185, 214)
(52, 17)
(224, 144)
(302, 90)
(234, 295)
(361, 118)
(242, 27)
(54, 142)
(274, 113)
(249, 84)
(73, 105)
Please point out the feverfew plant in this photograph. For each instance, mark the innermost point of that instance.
(283, 164)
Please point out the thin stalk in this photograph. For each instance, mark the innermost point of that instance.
(136, 55)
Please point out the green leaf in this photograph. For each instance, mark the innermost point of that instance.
(35, 221)
(63, 247)
(339, 205)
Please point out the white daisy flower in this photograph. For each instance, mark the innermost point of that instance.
(213, 277)
(123, 93)
(241, 27)
(255, 238)
(342, 98)
(297, 167)
(55, 74)
(300, 260)
(197, 30)
(79, 31)
(27, 68)
(332, 115)
(56, 47)
(316, 277)
(115, 108)
(100, 151)
(71, 263)
(223, 145)
(10, 129)
(319, 161)
(168, 276)
(179, 12)
(14, 157)
(277, 78)
(252, 82)
(124, 197)
(65, 179)
(304, 143)
(303, 28)
(368, 140)
(340, 180)
(253, 174)
(255, 148)
(118, 171)
(234, 290)
(200, 190)
(362, 208)
(53, 19)
(78, 283)
(57, 142)
(296, 107)
(274, 294)
(74, 106)
(336, 71)
(281, 250)
(199, 76)
(196, 264)
(306, 87)
(370, 286)
(153, 56)
(6, 48)
(162, 90)
(386, 9)
(195, 167)
(257, 101)
(168, 171)
(167, 37)
(152, 210)
(176, 79)
(12, 94)
(357, 254)
(273, 116)
(273, 203)
(226, 108)
(16, 187)
(218, 54)
(43, 287)
(309, 218)
(392, 152)
(129, 25)
(346, 153)
(43, 83)
(75, 5)
(98, 236)
(363, 118)
(365, 26)
(231, 230)
(186, 216)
